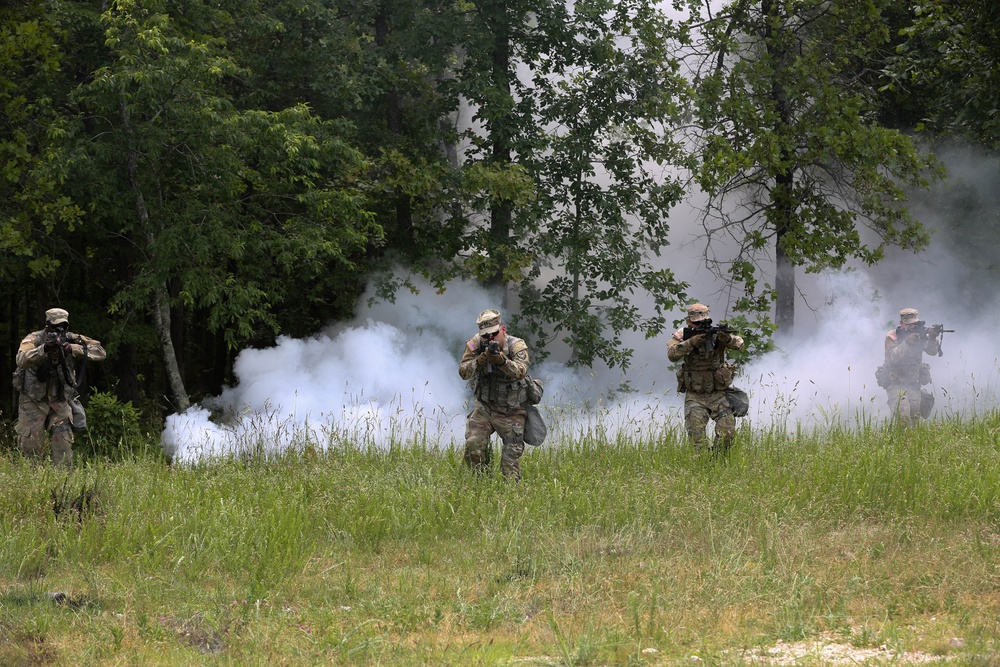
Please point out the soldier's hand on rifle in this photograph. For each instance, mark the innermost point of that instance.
(483, 359)
(51, 346)
(497, 359)
(723, 337)
(67, 349)
(696, 340)
(914, 339)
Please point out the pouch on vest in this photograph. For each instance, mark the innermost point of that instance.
(724, 376)
(535, 429)
(883, 377)
(18, 381)
(681, 385)
(700, 382)
(925, 374)
(535, 390)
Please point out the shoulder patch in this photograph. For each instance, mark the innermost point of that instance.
(521, 355)
(26, 339)
(472, 344)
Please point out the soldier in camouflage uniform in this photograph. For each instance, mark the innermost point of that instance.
(904, 350)
(500, 386)
(46, 381)
(703, 378)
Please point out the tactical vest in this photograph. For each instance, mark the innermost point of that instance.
(910, 370)
(495, 388)
(46, 379)
(703, 373)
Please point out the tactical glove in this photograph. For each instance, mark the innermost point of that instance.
(51, 346)
(483, 359)
(913, 339)
(695, 341)
(723, 337)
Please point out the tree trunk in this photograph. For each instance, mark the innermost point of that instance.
(161, 322)
(502, 210)
(161, 304)
(784, 285)
(783, 215)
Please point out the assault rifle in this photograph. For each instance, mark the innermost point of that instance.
(705, 327)
(55, 341)
(921, 329)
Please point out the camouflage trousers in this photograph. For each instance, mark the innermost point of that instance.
(699, 408)
(904, 402)
(508, 423)
(34, 418)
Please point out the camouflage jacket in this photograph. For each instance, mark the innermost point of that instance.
(499, 386)
(702, 372)
(41, 375)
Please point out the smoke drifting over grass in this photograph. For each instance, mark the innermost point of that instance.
(390, 375)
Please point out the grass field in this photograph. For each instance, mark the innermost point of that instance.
(608, 553)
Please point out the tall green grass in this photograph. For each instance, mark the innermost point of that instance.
(609, 552)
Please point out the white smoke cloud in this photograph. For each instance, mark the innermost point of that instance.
(390, 375)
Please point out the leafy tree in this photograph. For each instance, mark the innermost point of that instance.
(792, 156)
(948, 63)
(210, 207)
(599, 217)
(562, 210)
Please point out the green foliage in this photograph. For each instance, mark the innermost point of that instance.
(863, 537)
(788, 129)
(948, 62)
(114, 429)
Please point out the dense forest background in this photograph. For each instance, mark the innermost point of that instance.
(191, 178)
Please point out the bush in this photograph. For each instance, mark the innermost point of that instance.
(113, 428)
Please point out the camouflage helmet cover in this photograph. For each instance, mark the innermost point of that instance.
(56, 316)
(697, 312)
(908, 315)
(488, 321)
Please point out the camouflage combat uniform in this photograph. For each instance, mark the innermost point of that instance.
(46, 386)
(907, 372)
(501, 391)
(704, 378)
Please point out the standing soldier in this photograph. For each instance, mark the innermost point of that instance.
(497, 363)
(704, 377)
(46, 381)
(904, 349)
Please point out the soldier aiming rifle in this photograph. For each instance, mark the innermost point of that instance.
(711, 332)
(46, 381)
(705, 377)
(904, 374)
(920, 329)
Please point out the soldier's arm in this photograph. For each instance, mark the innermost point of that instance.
(467, 367)
(517, 363)
(677, 349)
(29, 354)
(95, 351)
(735, 342)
